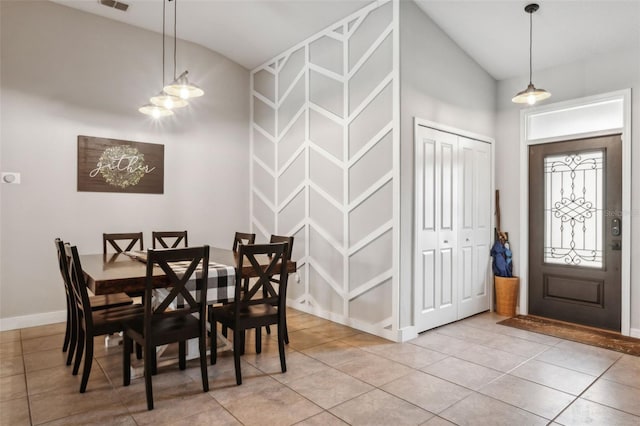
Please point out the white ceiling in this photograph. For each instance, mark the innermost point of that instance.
(494, 33)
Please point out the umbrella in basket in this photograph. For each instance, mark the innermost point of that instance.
(501, 253)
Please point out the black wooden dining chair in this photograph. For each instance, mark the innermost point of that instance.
(132, 239)
(243, 238)
(287, 258)
(256, 307)
(169, 239)
(96, 302)
(166, 321)
(92, 323)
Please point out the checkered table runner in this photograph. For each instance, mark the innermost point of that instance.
(221, 280)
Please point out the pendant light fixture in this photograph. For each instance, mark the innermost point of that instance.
(531, 94)
(174, 95)
(180, 87)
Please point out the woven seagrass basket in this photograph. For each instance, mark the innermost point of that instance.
(506, 295)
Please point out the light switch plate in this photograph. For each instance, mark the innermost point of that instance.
(10, 177)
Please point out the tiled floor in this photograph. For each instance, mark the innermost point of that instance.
(473, 372)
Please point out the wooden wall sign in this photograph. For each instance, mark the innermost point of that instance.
(112, 165)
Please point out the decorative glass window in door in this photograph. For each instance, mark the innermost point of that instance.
(573, 216)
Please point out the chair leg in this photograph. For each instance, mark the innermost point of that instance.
(259, 339)
(79, 349)
(138, 351)
(286, 330)
(88, 361)
(268, 329)
(126, 360)
(281, 331)
(73, 341)
(214, 341)
(243, 337)
(202, 341)
(67, 331)
(149, 356)
(154, 360)
(236, 355)
(182, 355)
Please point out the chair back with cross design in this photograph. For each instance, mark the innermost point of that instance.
(169, 239)
(133, 239)
(168, 314)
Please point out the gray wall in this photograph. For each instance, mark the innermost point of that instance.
(607, 73)
(67, 73)
(441, 83)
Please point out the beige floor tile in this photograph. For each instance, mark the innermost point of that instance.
(463, 373)
(323, 419)
(10, 348)
(380, 408)
(625, 371)
(12, 387)
(44, 330)
(480, 410)
(9, 336)
(170, 402)
(615, 395)
(374, 369)
(365, 340)
(298, 365)
(223, 374)
(523, 334)
(411, 355)
(464, 332)
(426, 391)
(540, 400)
(437, 421)
(65, 402)
(560, 378)
(51, 379)
(14, 412)
(334, 331)
(10, 366)
(44, 343)
(270, 403)
(580, 358)
(441, 343)
(214, 415)
(45, 359)
(334, 353)
(115, 415)
(330, 388)
(516, 345)
(491, 358)
(583, 412)
(304, 321)
(304, 339)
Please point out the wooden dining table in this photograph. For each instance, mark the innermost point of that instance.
(119, 272)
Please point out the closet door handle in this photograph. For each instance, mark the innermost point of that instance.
(446, 241)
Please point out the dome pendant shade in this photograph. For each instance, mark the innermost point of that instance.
(531, 94)
(168, 101)
(183, 89)
(155, 111)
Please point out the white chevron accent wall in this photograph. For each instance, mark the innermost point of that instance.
(325, 167)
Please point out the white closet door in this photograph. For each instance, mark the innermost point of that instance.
(474, 226)
(453, 227)
(436, 228)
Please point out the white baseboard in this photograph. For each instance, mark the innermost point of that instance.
(407, 333)
(25, 321)
(634, 332)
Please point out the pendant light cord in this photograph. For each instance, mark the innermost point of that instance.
(175, 35)
(530, 47)
(163, 37)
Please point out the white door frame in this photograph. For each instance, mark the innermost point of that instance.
(523, 262)
(417, 122)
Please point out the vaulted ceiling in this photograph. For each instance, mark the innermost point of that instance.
(494, 33)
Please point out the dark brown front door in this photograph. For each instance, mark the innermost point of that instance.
(575, 231)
